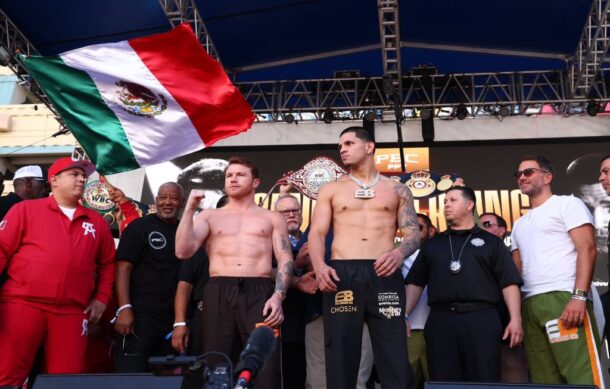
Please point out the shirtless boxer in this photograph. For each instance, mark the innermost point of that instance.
(363, 280)
(239, 240)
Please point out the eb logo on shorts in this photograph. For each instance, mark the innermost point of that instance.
(344, 297)
(344, 302)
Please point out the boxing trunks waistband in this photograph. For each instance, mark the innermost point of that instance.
(461, 307)
(353, 262)
(240, 280)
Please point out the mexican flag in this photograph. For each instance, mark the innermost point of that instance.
(143, 101)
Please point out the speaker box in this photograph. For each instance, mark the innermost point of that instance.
(481, 385)
(109, 381)
(427, 129)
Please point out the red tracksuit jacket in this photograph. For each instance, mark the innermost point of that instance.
(53, 262)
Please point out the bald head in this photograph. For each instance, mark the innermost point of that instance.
(174, 185)
(169, 201)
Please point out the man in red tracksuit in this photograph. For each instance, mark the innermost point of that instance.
(59, 258)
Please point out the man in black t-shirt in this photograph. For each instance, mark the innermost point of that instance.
(147, 275)
(465, 268)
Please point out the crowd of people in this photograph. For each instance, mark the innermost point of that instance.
(348, 304)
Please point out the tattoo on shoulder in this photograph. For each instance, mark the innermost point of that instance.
(406, 209)
(403, 192)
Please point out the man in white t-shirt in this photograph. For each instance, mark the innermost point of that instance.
(553, 246)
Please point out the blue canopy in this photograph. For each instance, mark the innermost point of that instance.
(304, 39)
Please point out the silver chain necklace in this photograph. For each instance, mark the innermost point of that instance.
(365, 192)
(455, 266)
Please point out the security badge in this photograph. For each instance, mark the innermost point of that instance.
(477, 242)
(455, 267)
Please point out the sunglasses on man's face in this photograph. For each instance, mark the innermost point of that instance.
(528, 172)
(489, 224)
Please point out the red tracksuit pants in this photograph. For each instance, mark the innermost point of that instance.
(23, 329)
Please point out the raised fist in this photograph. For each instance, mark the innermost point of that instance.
(194, 199)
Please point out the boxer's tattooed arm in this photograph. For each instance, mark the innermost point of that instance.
(285, 243)
(407, 221)
(282, 280)
(285, 268)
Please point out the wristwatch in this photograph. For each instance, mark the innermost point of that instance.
(579, 292)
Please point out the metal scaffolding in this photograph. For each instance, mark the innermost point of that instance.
(389, 31)
(13, 42)
(350, 98)
(185, 11)
(517, 91)
(591, 52)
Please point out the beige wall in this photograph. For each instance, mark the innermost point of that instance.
(29, 124)
(25, 136)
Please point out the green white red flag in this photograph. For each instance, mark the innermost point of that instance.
(143, 101)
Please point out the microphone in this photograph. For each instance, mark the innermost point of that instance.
(261, 344)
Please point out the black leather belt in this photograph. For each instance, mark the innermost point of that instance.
(462, 307)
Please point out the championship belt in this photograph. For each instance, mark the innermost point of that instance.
(310, 178)
(423, 183)
(97, 198)
(317, 172)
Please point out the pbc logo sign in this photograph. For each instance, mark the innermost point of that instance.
(344, 302)
(157, 240)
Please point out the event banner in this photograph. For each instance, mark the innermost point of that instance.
(486, 167)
